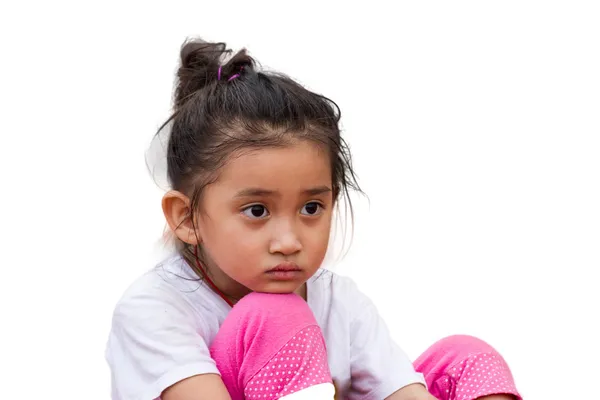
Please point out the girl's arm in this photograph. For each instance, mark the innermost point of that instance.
(412, 392)
(156, 345)
(198, 387)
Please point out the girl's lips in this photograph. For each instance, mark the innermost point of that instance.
(284, 275)
(285, 272)
(287, 267)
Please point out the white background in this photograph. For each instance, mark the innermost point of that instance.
(475, 131)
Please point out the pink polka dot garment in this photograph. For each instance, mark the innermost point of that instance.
(301, 363)
(480, 375)
(465, 368)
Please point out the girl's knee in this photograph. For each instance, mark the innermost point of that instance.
(266, 314)
(270, 302)
(259, 333)
(450, 350)
(265, 306)
(452, 364)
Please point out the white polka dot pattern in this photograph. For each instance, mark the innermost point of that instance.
(301, 363)
(476, 376)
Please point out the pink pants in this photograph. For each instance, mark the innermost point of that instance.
(264, 353)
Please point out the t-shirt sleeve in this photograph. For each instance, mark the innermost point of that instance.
(155, 342)
(378, 366)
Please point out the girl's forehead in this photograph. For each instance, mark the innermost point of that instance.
(299, 163)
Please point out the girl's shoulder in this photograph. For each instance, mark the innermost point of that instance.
(160, 331)
(169, 279)
(169, 288)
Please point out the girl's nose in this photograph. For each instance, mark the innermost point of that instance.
(285, 242)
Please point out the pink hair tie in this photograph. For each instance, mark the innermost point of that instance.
(232, 77)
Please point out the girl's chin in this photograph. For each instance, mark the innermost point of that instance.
(281, 287)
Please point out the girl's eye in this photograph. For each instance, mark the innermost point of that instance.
(312, 208)
(255, 211)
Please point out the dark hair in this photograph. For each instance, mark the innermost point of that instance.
(221, 107)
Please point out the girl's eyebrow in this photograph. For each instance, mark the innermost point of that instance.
(257, 192)
(317, 191)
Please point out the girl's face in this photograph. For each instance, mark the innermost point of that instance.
(265, 222)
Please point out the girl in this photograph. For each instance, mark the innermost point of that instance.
(243, 310)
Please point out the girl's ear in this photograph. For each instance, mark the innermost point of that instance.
(178, 213)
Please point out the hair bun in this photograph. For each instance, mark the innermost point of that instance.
(201, 66)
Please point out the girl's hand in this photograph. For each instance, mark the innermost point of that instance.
(412, 392)
(199, 387)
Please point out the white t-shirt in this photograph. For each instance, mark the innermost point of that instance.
(165, 322)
